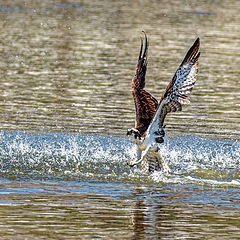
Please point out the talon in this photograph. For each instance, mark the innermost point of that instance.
(131, 163)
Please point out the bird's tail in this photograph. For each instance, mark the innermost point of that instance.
(154, 162)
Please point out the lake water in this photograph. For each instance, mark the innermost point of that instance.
(65, 105)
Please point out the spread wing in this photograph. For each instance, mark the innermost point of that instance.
(145, 103)
(179, 88)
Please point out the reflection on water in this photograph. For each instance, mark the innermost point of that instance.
(66, 66)
(153, 211)
(68, 185)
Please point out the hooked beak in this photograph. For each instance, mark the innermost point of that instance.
(129, 132)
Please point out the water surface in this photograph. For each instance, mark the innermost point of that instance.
(65, 106)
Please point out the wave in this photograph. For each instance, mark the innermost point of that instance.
(66, 156)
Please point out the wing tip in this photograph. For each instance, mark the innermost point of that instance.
(146, 45)
(143, 54)
(193, 52)
(139, 78)
(197, 41)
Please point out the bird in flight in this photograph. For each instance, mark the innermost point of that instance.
(150, 113)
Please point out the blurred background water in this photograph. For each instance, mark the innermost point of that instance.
(65, 105)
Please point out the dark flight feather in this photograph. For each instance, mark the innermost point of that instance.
(145, 103)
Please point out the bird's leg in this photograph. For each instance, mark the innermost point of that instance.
(144, 154)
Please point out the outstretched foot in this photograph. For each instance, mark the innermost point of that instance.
(133, 163)
(144, 154)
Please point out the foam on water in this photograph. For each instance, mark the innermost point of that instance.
(193, 160)
(201, 161)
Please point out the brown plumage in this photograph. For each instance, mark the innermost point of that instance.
(145, 104)
(150, 114)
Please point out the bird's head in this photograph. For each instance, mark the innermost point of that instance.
(134, 132)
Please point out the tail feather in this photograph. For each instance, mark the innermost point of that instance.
(151, 164)
(154, 162)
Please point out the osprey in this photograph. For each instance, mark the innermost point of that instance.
(150, 114)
